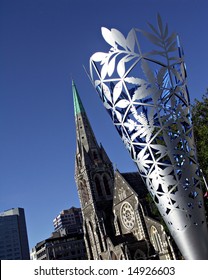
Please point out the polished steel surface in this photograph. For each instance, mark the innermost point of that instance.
(146, 95)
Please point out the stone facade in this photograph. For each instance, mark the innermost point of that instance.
(117, 220)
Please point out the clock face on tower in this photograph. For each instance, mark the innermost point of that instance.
(127, 215)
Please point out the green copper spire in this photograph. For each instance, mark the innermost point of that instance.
(78, 107)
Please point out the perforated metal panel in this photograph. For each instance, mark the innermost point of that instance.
(146, 95)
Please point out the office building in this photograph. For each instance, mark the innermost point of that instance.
(66, 242)
(13, 235)
(61, 246)
(69, 219)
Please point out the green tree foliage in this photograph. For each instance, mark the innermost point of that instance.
(200, 122)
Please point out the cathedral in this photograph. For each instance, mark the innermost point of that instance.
(118, 220)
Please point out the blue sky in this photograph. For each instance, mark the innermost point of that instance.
(43, 45)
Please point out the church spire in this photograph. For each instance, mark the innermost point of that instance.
(78, 106)
(94, 177)
(85, 135)
(89, 152)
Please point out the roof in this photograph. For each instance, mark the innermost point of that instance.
(136, 182)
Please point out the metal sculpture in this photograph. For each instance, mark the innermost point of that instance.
(147, 97)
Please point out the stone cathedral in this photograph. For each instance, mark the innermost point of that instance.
(117, 219)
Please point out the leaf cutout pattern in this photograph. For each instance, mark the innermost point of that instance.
(119, 37)
(121, 68)
(151, 113)
(142, 161)
(142, 90)
(160, 24)
(98, 56)
(117, 91)
(143, 127)
(111, 66)
(130, 40)
(122, 103)
(107, 35)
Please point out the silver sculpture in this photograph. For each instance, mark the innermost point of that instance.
(147, 97)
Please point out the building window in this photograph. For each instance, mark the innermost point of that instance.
(156, 239)
(95, 156)
(106, 184)
(113, 256)
(98, 187)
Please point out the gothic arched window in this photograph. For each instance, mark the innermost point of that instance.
(106, 184)
(100, 239)
(156, 239)
(91, 237)
(113, 256)
(95, 155)
(87, 236)
(98, 186)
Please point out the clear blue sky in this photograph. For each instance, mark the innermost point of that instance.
(45, 43)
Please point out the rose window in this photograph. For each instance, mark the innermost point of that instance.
(127, 215)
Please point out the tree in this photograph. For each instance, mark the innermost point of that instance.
(200, 123)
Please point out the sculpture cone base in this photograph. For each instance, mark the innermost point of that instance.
(193, 242)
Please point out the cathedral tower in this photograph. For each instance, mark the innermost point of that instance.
(94, 177)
